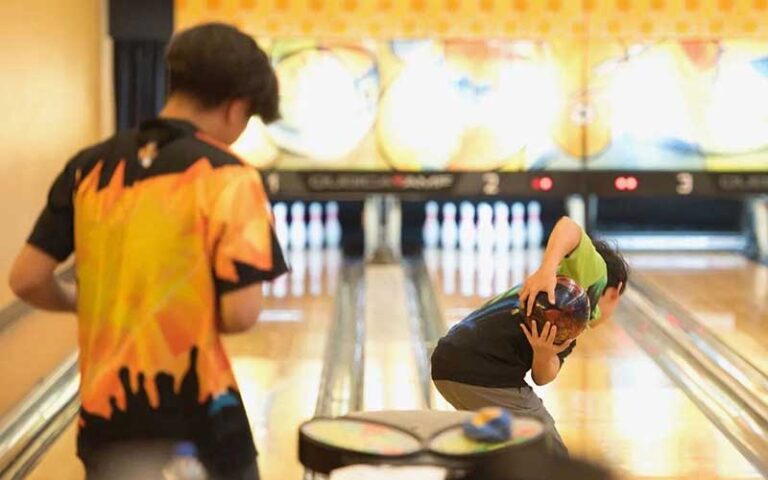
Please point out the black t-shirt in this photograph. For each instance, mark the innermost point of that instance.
(162, 221)
(488, 348)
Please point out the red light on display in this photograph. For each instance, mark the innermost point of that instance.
(543, 184)
(626, 184)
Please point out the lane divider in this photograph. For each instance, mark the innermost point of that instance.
(425, 320)
(28, 431)
(711, 388)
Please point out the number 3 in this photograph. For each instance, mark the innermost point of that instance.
(684, 183)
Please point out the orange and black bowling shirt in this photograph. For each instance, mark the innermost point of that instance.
(162, 221)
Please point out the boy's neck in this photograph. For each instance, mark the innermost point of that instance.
(182, 108)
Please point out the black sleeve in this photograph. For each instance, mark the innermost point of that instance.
(53, 232)
(247, 250)
(248, 275)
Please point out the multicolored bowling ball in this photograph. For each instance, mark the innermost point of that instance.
(570, 312)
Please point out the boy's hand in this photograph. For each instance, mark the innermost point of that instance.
(544, 343)
(543, 280)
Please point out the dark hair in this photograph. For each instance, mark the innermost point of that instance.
(215, 62)
(618, 269)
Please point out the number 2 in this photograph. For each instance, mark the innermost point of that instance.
(273, 183)
(491, 183)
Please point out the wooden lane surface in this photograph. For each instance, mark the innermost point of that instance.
(278, 365)
(726, 293)
(32, 347)
(613, 405)
(391, 379)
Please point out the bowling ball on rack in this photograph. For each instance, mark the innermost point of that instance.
(570, 312)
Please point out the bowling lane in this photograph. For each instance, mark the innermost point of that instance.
(612, 404)
(725, 292)
(33, 346)
(279, 362)
(278, 365)
(391, 379)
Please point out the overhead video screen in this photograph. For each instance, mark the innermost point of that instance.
(420, 105)
(678, 105)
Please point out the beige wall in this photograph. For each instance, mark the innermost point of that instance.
(51, 89)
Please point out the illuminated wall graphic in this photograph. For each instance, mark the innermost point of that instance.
(531, 85)
(697, 105)
(330, 99)
(418, 105)
(500, 105)
(329, 102)
(459, 105)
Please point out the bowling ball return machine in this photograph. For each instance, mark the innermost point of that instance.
(400, 438)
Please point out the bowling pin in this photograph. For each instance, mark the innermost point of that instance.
(280, 212)
(518, 262)
(297, 228)
(280, 286)
(485, 272)
(517, 231)
(467, 233)
(534, 226)
(449, 231)
(448, 265)
(533, 260)
(298, 271)
(315, 267)
(485, 230)
(315, 229)
(266, 289)
(430, 232)
(467, 265)
(332, 225)
(501, 226)
(501, 273)
(431, 260)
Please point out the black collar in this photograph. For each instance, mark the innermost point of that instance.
(175, 124)
(165, 130)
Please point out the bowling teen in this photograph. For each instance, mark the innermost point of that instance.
(171, 234)
(482, 361)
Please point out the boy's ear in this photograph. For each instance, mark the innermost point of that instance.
(612, 293)
(236, 109)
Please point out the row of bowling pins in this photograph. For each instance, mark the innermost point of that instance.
(314, 272)
(493, 230)
(482, 274)
(297, 234)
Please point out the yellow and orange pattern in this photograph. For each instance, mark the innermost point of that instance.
(145, 253)
(546, 19)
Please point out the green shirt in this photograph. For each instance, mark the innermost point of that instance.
(588, 269)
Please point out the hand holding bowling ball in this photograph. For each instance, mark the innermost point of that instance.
(542, 280)
(568, 314)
